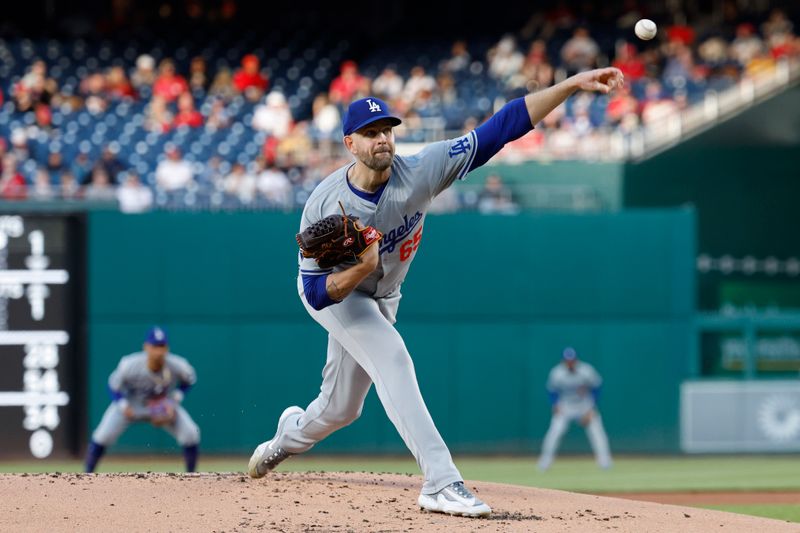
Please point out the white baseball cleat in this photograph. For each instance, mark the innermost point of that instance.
(268, 455)
(455, 499)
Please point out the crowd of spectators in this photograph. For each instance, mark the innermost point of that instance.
(454, 93)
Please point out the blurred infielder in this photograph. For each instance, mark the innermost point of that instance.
(573, 387)
(356, 301)
(148, 386)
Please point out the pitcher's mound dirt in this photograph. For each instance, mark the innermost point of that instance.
(314, 501)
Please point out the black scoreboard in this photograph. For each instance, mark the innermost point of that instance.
(42, 314)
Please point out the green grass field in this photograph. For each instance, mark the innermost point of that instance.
(790, 513)
(629, 474)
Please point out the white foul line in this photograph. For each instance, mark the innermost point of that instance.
(33, 398)
(53, 277)
(21, 338)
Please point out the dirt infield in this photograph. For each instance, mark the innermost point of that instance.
(295, 502)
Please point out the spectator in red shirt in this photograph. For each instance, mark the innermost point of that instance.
(347, 83)
(187, 114)
(169, 85)
(249, 80)
(12, 183)
(621, 104)
(680, 32)
(43, 115)
(629, 62)
(117, 84)
(782, 45)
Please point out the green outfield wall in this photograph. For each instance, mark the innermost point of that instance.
(557, 185)
(487, 308)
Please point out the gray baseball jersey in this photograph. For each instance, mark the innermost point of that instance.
(574, 388)
(400, 211)
(138, 384)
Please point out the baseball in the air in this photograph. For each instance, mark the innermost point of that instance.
(645, 29)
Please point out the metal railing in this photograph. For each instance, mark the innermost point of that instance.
(714, 108)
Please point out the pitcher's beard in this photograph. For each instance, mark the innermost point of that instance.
(377, 163)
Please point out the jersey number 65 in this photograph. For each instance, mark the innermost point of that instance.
(410, 246)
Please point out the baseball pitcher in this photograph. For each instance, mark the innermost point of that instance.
(573, 387)
(359, 233)
(148, 386)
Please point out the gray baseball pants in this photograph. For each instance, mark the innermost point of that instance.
(365, 348)
(114, 423)
(594, 430)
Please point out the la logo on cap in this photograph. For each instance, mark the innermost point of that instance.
(158, 334)
(373, 107)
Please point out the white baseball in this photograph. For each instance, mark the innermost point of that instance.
(645, 29)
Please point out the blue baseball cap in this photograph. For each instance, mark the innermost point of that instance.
(569, 354)
(366, 111)
(156, 336)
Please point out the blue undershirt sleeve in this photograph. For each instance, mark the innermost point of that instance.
(595, 394)
(508, 124)
(316, 294)
(115, 394)
(553, 396)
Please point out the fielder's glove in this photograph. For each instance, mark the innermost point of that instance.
(162, 411)
(336, 239)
